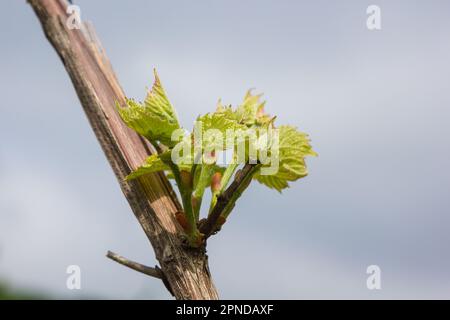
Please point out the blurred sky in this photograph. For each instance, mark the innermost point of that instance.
(375, 103)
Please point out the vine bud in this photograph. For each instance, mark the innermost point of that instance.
(215, 182)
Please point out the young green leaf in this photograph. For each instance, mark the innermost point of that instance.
(248, 110)
(246, 113)
(158, 103)
(152, 164)
(294, 146)
(155, 119)
(218, 121)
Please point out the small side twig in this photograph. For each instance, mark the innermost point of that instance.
(155, 272)
(152, 272)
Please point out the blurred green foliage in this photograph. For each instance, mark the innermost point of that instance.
(7, 293)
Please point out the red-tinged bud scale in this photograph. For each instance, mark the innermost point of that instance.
(221, 220)
(182, 220)
(215, 181)
(195, 201)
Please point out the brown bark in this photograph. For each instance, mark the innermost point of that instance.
(152, 198)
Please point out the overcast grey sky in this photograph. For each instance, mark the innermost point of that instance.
(375, 103)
